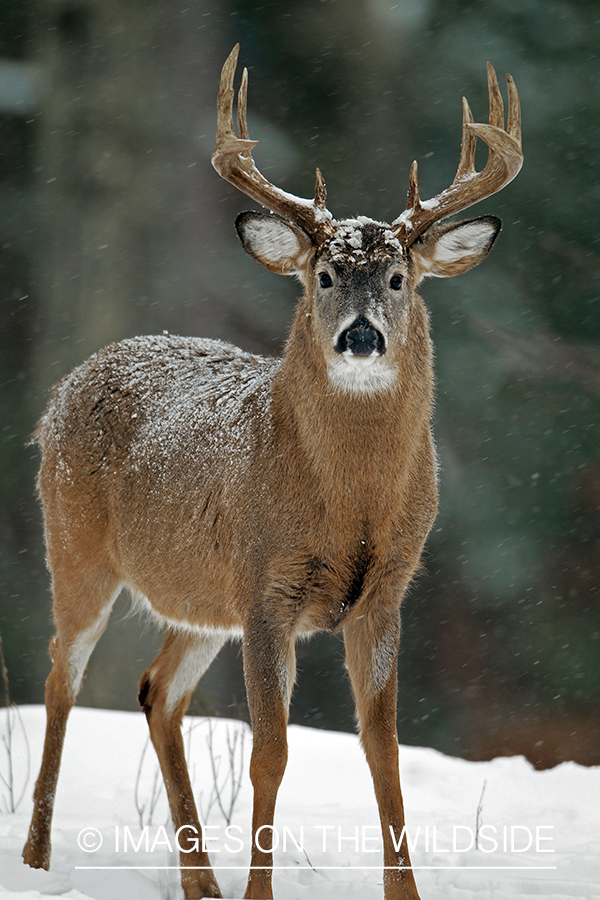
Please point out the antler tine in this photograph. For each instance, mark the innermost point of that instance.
(469, 142)
(513, 125)
(242, 107)
(226, 92)
(505, 159)
(320, 191)
(496, 116)
(412, 201)
(225, 97)
(232, 159)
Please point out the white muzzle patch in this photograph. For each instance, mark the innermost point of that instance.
(361, 374)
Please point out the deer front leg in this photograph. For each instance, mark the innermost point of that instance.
(269, 668)
(165, 691)
(371, 644)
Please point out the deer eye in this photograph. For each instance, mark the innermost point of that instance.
(396, 282)
(325, 280)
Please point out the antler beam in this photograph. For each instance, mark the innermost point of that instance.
(505, 159)
(232, 159)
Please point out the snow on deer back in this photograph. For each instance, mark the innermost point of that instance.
(238, 495)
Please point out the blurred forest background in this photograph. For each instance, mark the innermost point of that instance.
(113, 223)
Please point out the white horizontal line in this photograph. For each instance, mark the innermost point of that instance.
(316, 867)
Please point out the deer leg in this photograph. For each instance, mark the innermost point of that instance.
(165, 691)
(371, 645)
(269, 671)
(70, 650)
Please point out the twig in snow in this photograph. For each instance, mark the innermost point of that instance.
(478, 816)
(146, 808)
(232, 780)
(9, 802)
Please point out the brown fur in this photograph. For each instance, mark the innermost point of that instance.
(271, 497)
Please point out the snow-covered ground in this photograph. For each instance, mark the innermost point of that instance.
(539, 832)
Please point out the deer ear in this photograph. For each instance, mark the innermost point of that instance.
(447, 250)
(275, 243)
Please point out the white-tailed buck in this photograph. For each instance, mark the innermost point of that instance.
(264, 498)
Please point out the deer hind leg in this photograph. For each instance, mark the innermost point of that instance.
(372, 661)
(81, 612)
(165, 691)
(269, 672)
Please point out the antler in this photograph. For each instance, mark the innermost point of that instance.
(505, 159)
(232, 159)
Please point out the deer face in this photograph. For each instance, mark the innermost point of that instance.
(360, 284)
(360, 303)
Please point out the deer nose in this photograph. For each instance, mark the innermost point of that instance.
(361, 338)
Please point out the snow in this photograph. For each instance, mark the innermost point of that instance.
(326, 796)
(347, 242)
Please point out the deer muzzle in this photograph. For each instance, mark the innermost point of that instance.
(361, 339)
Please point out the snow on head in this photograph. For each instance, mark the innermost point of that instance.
(361, 240)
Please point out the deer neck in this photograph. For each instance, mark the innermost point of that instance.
(354, 445)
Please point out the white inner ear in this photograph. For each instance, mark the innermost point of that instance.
(467, 240)
(271, 239)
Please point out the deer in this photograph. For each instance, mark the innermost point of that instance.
(261, 498)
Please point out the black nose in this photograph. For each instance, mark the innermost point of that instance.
(361, 339)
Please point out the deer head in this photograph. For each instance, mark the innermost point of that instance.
(360, 275)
